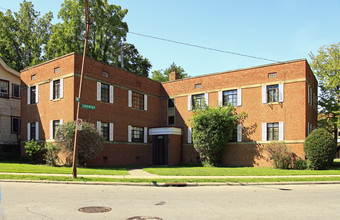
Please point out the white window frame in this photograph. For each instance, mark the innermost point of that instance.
(281, 131)
(239, 133)
(265, 93)
(189, 135)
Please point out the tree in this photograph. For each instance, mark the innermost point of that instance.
(134, 62)
(23, 35)
(212, 127)
(90, 141)
(106, 32)
(326, 66)
(163, 75)
(320, 149)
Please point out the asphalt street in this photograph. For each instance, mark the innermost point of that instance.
(62, 201)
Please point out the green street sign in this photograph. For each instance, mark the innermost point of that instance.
(77, 99)
(91, 107)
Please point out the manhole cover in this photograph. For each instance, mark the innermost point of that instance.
(94, 209)
(144, 218)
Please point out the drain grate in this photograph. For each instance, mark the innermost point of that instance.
(144, 218)
(94, 209)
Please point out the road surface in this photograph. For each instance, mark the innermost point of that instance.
(62, 201)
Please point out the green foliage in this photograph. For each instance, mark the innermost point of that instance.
(51, 154)
(107, 29)
(326, 66)
(281, 154)
(163, 75)
(134, 62)
(320, 149)
(90, 141)
(212, 127)
(34, 151)
(23, 35)
(299, 164)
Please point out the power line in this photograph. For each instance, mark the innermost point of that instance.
(202, 47)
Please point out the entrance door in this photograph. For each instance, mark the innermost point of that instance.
(160, 150)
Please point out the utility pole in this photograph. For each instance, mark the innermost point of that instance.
(76, 135)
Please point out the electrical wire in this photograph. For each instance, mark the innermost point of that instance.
(202, 47)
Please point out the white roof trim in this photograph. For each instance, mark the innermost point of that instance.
(2, 63)
(166, 130)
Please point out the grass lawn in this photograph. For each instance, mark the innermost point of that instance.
(32, 168)
(239, 171)
(160, 180)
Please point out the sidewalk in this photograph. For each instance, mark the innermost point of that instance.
(141, 174)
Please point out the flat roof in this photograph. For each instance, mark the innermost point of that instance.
(241, 69)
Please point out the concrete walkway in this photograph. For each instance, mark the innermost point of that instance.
(141, 174)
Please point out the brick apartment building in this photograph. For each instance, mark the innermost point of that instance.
(146, 122)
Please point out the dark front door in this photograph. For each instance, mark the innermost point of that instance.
(160, 150)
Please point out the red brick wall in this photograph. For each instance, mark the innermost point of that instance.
(175, 150)
(294, 111)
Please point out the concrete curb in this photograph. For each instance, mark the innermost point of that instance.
(191, 184)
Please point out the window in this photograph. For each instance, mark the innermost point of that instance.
(56, 89)
(230, 97)
(15, 125)
(272, 93)
(32, 131)
(137, 100)
(56, 124)
(171, 120)
(171, 103)
(104, 92)
(33, 94)
(197, 101)
(233, 135)
(4, 89)
(272, 131)
(137, 134)
(56, 70)
(198, 86)
(105, 131)
(33, 77)
(271, 75)
(15, 91)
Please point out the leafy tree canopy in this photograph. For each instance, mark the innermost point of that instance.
(163, 75)
(326, 66)
(28, 39)
(212, 127)
(23, 35)
(107, 29)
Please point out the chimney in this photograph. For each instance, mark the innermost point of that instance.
(173, 75)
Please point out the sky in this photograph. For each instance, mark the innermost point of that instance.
(278, 30)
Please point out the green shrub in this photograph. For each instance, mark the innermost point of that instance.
(280, 154)
(34, 151)
(212, 127)
(51, 154)
(299, 164)
(320, 149)
(90, 142)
